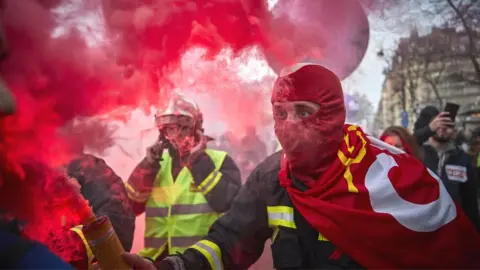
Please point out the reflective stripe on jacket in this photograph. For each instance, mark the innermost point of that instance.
(90, 257)
(177, 213)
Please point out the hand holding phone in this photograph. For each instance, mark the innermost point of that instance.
(446, 118)
(154, 152)
(442, 120)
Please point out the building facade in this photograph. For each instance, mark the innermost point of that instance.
(428, 70)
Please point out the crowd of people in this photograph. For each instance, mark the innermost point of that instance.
(332, 198)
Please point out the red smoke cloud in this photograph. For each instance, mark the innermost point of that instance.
(153, 35)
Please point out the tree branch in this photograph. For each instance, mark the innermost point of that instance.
(471, 41)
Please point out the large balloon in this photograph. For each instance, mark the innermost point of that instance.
(332, 33)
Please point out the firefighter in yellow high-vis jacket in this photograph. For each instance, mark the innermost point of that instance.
(182, 186)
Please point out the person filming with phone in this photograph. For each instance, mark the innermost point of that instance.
(453, 166)
(181, 185)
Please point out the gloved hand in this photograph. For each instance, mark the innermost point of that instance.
(154, 152)
(137, 262)
(171, 263)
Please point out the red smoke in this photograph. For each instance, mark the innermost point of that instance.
(153, 35)
(57, 79)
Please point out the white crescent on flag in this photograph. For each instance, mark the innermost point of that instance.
(385, 199)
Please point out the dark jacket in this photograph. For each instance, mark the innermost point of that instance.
(241, 232)
(19, 253)
(423, 134)
(454, 167)
(106, 194)
(421, 129)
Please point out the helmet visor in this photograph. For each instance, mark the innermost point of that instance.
(170, 119)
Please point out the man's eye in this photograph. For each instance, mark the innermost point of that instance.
(171, 129)
(304, 114)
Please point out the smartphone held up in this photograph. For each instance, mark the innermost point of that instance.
(452, 110)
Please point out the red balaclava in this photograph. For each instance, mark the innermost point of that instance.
(310, 144)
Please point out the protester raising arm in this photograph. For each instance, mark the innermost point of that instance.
(422, 134)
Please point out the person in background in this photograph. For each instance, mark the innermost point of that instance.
(327, 200)
(428, 122)
(474, 152)
(228, 143)
(247, 160)
(181, 185)
(402, 139)
(252, 143)
(474, 149)
(455, 169)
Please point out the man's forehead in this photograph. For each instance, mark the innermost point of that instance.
(296, 103)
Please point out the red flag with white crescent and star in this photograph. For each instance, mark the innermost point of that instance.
(384, 209)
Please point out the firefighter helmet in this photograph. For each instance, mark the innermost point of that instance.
(180, 110)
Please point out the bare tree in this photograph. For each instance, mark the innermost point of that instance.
(462, 15)
(437, 54)
(467, 13)
(404, 70)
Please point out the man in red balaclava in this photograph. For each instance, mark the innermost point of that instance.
(334, 198)
(308, 123)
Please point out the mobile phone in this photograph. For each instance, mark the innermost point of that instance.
(452, 110)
